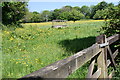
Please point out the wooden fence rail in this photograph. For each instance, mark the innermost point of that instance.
(65, 67)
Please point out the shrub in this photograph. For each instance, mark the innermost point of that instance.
(113, 25)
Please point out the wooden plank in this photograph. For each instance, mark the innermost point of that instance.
(101, 60)
(114, 55)
(97, 74)
(113, 38)
(89, 53)
(111, 56)
(90, 70)
(108, 62)
(105, 50)
(102, 65)
(99, 39)
(63, 68)
(111, 74)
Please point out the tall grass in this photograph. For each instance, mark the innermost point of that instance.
(0, 54)
(32, 47)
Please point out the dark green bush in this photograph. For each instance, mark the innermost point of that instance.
(113, 25)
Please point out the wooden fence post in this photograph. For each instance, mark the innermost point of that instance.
(102, 58)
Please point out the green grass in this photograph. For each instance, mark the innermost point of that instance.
(0, 54)
(30, 48)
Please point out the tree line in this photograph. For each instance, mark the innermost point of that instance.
(14, 13)
(70, 13)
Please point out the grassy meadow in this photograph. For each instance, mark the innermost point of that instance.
(37, 45)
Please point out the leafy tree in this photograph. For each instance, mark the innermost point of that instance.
(66, 8)
(28, 16)
(77, 8)
(100, 6)
(55, 14)
(101, 14)
(85, 10)
(75, 15)
(36, 17)
(99, 11)
(113, 25)
(110, 5)
(64, 15)
(13, 12)
(46, 15)
(93, 10)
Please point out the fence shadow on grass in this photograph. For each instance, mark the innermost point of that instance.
(77, 44)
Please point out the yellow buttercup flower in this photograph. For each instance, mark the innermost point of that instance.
(26, 65)
(11, 38)
(7, 32)
(16, 62)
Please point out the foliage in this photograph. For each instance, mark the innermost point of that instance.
(13, 12)
(55, 14)
(113, 25)
(85, 10)
(100, 7)
(66, 8)
(28, 17)
(35, 17)
(70, 13)
(77, 8)
(46, 15)
(64, 16)
(98, 11)
(101, 14)
(75, 15)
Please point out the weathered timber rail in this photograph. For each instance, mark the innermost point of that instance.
(62, 23)
(65, 67)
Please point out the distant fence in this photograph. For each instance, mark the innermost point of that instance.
(99, 54)
(59, 23)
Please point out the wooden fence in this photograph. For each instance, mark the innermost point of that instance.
(59, 23)
(99, 54)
